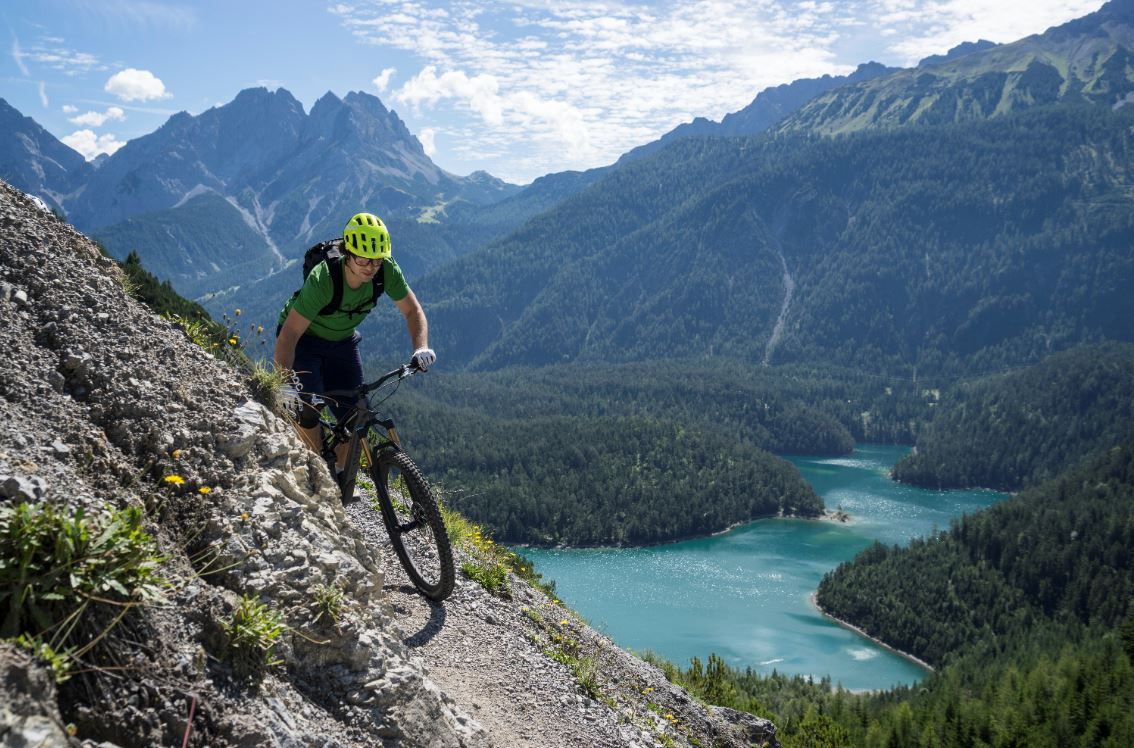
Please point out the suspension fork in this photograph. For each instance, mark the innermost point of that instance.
(371, 452)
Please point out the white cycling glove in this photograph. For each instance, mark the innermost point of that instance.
(289, 393)
(423, 358)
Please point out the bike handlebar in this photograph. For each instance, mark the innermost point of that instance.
(400, 373)
(403, 371)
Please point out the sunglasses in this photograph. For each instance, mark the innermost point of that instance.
(365, 262)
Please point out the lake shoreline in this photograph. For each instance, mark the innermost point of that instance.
(839, 518)
(814, 599)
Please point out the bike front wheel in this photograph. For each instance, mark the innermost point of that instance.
(414, 523)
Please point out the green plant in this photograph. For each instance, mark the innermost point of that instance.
(491, 561)
(131, 286)
(328, 600)
(59, 662)
(493, 576)
(198, 331)
(252, 633)
(53, 565)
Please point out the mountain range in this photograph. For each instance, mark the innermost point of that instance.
(986, 239)
(973, 215)
(241, 187)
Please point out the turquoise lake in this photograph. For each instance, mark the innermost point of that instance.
(745, 594)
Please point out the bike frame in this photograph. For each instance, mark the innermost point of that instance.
(353, 431)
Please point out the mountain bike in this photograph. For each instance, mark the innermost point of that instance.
(408, 507)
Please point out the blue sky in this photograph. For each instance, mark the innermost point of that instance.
(519, 88)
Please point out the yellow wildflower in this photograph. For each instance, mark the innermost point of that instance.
(176, 480)
(176, 454)
(244, 516)
(237, 312)
(232, 340)
(564, 622)
(204, 489)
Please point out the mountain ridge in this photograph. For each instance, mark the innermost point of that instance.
(1084, 60)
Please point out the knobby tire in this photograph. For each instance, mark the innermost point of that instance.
(414, 523)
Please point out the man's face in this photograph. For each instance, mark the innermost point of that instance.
(361, 267)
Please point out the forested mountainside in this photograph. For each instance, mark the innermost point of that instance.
(606, 481)
(1085, 60)
(1026, 609)
(1060, 551)
(954, 248)
(1028, 426)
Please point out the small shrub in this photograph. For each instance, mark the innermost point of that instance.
(253, 632)
(59, 663)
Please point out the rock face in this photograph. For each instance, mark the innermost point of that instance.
(103, 404)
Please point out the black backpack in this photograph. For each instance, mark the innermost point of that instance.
(332, 253)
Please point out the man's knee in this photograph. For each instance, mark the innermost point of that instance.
(308, 416)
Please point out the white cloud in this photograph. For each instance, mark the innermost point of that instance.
(98, 119)
(478, 93)
(50, 52)
(43, 95)
(576, 83)
(69, 109)
(428, 140)
(136, 85)
(926, 28)
(18, 57)
(383, 79)
(90, 145)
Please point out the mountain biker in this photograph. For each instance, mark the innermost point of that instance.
(322, 349)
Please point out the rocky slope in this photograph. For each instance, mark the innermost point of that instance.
(103, 402)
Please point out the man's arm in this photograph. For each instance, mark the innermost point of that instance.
(293, 327)
(416, 323)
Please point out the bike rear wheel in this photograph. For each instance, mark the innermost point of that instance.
(414, 523)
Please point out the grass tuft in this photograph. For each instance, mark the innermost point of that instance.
(252, 634)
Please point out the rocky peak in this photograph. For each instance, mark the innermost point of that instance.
(373, 123)
(32, 156)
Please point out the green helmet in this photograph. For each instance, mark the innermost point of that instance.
(366, 236)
